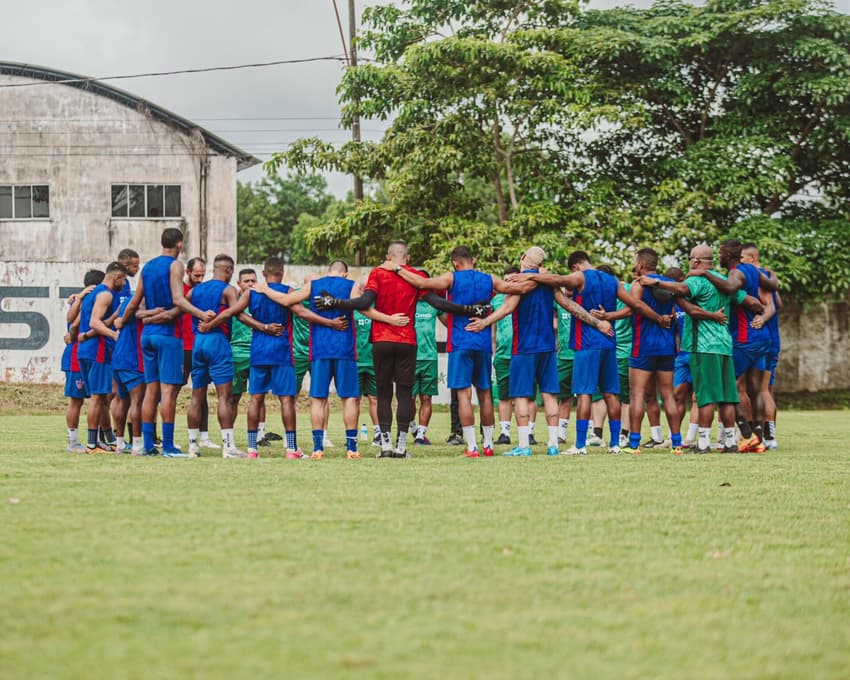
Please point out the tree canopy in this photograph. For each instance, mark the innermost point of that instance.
(519, 122)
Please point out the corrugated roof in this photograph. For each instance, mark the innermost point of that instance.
(131, 101)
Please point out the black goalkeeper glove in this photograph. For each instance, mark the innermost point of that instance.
(324, 301)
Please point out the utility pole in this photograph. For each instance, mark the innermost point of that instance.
(355, 123)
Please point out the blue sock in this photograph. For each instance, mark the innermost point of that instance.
(92, 438)
(614, 429)
(581, 433)
(291, 441)
(252, 439)
(167, 435)
(676, 439)
(147, 435)
(351, 440)
(318, 440)
(634, 440)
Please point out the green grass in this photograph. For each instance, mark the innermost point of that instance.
(603, 566)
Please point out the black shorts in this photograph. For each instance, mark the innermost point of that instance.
(395, 362)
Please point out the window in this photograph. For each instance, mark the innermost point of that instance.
(144, 200)
(24, 201)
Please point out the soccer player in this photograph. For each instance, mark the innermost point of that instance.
(595, 364)
(503, 340)
(75, 389)
(130, 259)
(97, 340)
(161, 286)
(706, 337)
(751, 340)
(425, 385)
(533, 360)
(393, 347)
(750, 255)
(366, 367)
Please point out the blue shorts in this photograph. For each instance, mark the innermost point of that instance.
(163, 357)
(745, 359)
(97, 378)
(343, 372)
(530, 370)
(279, 380)
(595, 370)
(126, 381)
(660, 363)
(75, 388)
(468, 367)
(772, 363)
(212, 360)
(682, 369)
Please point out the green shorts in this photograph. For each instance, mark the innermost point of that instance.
(368, 386)
(501, 386)
(241, 369)
(425, 382)
(714, 379)
(565, 379)
(623, 371)
(302, 367)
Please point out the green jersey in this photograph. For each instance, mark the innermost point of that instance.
(364, 344)
(565, 320)
(504, 331)
(301, 335)
(708, 337)
(426, 331)
(240, 338)
(623, 330)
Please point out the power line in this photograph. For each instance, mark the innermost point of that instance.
(207, 69)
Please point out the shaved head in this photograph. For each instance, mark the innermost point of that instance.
(535, 256)
(702, 252)
(396, 250)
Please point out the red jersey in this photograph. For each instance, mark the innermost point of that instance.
(186, 321)
(394, 295)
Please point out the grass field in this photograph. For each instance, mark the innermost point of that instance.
(603, 566)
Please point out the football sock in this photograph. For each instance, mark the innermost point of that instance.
(137, 443)
(553, 435)
(656, 433)
(318, 440)
(377, 430)
(581, 432)
(205, 437)
(227, 438)
(421, 431)
(351, 440)
(676, 439)
(720, 430)
(744, 427)
(597, 432)
(634, 440)
(261, 431)
(692, 432)
(469, 436)
(563, 424)
(758, 431)
(729, 436)
(614, 431)
(92, 435)
(770, 430)
(167, 435)
(523, 431)
(411, 429)
(73, 438)
(487, 433)
(704, 437)
(291, 442)
(148, 435)
(505, 427)
(120, 444)
(252, 439)
(193, 436)
(401, 442)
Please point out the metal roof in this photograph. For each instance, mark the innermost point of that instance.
(244, 159)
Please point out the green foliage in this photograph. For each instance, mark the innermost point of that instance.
(605, 130)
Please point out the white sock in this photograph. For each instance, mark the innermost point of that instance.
(469, 436)
(324, 435)
(704, 437)
(563, 425)
(692, 432)
(421, 431)
(729, 436)
(553, 435)
(205, 437)
(720, 431)
(377, 430)
(73, 437)
(505, 427)
(656, 433)
(530, 427)
(138, 443)
(401, 444)
(523, 435)
(411, 429)
(227, 438)
(488, 436)
(770, 432)
(193, 436)
(120, 444)
(261, 430)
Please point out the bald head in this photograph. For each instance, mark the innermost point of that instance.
(702, 257)
(535, 256)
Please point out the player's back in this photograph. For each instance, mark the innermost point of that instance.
(271, 350)
(156, 279)
(599, 290)
(649, 338)
(393, 295)
(98, 348)
(533, 328)
(127, 355)
(325, 342)
(740, 320)
(207, 297)
(469, 287)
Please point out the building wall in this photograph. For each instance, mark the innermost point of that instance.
(79, 144)
(815, 339)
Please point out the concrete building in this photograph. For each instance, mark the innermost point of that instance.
(88, 169)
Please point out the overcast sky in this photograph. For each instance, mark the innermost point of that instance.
(116, 37)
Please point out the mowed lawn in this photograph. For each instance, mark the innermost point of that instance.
(603, 566)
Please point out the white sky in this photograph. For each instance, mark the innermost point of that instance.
(116, 37)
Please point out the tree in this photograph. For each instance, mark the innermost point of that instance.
(606, 130)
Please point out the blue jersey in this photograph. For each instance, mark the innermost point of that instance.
(325, 342)
(650, 339)
(98, 348)
(156, 280)
(533, 325)
(271, 350)
(773, 323)
(599, 289)
(469, 287)
(128, 348)
(743, 334)
(207, 296)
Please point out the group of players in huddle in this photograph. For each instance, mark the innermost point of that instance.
(583, 337)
